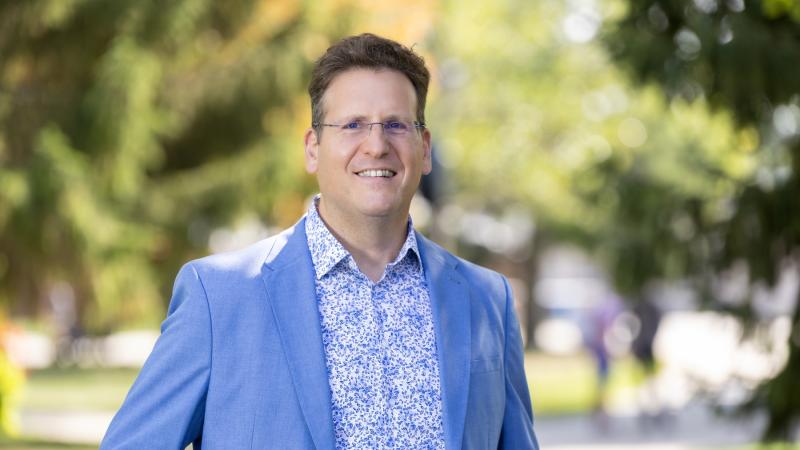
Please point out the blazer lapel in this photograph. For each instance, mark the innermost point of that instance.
(451, 319)
(289, 279)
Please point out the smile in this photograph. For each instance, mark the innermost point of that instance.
(386, 173)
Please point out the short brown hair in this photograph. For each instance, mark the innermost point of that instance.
(366, 51)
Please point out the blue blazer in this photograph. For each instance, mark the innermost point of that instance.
(240, 362)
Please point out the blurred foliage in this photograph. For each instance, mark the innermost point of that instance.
(130, 130)
(536, 115)
(679, 186)
(740, 56)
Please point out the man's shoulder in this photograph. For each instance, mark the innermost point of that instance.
(246, 260)
(480, 277)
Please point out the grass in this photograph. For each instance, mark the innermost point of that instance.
(567, 384)
(70, 389)
(558, 385)
(77, 389)
(34, 444)
(761, 447)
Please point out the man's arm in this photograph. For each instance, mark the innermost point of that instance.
(517, 432)
(165, 407)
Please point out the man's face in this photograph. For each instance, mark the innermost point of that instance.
(343, 166)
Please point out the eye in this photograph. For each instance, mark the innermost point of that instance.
(354, 125)
(396, 126)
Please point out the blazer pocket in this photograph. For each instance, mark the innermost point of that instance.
(481, 365)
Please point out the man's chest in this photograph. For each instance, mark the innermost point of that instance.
(381, 357)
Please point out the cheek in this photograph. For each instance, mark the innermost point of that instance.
(334, 157)
(330, 167)
(416, 159)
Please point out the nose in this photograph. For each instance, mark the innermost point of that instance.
(376, 142)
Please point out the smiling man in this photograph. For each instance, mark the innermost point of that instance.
(349, 330)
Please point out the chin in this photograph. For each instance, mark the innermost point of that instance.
(378, 211)
(381, 209)
(383, 204)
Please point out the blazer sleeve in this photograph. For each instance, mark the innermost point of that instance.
(517, 432)
(165, 407)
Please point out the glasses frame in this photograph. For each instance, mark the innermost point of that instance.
(384, 125)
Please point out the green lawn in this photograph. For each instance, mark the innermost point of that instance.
(77, 389)
(559, 385)
(762, 447)
(567, 384)
(32, 444)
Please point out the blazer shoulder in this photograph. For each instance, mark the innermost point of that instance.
(244, 261)
(483, 279)
(479, 277)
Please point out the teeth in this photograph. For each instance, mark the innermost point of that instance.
(376, 173)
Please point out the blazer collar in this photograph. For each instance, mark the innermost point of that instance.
(450, 301)
(289, 279)
(288, 276)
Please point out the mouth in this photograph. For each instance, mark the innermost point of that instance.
(376, 173)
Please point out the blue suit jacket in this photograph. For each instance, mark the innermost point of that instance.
(240, 362)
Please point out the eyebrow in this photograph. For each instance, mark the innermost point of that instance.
(363, 118)
(353, 118)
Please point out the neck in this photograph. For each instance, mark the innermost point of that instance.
(374, 242)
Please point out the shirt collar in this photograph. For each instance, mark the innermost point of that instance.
(327, 251)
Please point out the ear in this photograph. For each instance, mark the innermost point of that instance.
(427, 164)
(311, 141)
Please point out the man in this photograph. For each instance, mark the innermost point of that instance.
(349, 330)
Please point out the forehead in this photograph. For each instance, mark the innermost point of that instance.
(370, 93)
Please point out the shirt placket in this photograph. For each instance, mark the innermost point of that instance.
(375, 351)
(388, 304)
(384, 309)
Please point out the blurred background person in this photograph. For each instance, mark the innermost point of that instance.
(597, 325)
(648, 316)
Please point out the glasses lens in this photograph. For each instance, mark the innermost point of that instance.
(354, 127)
(395, 128)
(356, 130)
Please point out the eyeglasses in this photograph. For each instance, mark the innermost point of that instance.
(357, 129)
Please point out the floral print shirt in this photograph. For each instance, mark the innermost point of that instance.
(380, 348)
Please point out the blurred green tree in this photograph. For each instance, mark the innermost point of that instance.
(537, 117)
(129, 130)
(740, 56)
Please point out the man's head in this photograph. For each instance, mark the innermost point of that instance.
(368, 93)
(366, 51)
